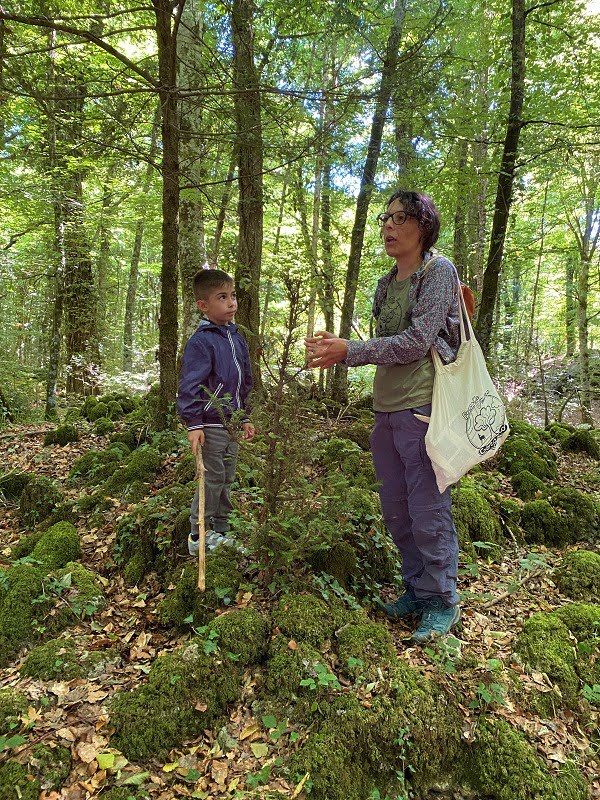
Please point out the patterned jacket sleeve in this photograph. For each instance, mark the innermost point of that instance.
(429, 317)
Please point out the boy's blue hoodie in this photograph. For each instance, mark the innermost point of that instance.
(216, 377)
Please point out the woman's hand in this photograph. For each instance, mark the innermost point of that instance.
(325, 349)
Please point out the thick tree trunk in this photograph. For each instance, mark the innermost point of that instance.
(250, 180)
(506, 176)
(367, 184)
(192, 244)
(167, 323)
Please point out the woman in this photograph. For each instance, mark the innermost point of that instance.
(416, 307)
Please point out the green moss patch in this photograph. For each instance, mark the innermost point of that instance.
(243, 633)
(104, 426)
(581, 511)
(57, 546)
(17, 609)
(535, 456)
(578, 575)
(17, 783)
(61, 435)
(304, 618)
(60, 659)
(13, 483)
(51, 765)
(541, 524)
(39, 498)
(288, 666)
(503, 765)
(526, 486)
(582, 441)
(476, 521)
(12, 705)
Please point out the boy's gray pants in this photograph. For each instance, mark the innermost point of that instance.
(220, 453)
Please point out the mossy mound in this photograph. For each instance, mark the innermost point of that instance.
(62, 435)
(287, 667)
(57, 546)
(337, 559)
(520, 453)
(359, 432)
(581, 511)
(526, 486)
(126, 402)
(166, 442)
(335, 772)
(475, 521)
(184, 601)
(304, 618)
(115, 410)
(141, 465)
(363, 648)
(25, 546)
(558, 431)
(96, 466)
(518, 427)
(582, 619)
(51, 765)
(39, 498)
(509, 512)
(125, 437)
(97, 411)
(12, 705)
(16, 783)
(186, 468)
(541, 524)
(187, 691)
(243, 633)
(545, 645)
(59, 659)
(13, 483)
(347, 457)
(582, 441)
(104, 426)
(24, 584)
(80, 594)
(503, 765)
(578, 575)
(146, 536)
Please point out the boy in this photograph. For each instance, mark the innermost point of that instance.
(214, 384)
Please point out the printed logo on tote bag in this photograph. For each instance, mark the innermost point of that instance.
(485, 422)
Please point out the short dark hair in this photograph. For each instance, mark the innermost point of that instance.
(425, 212)
(205, 280)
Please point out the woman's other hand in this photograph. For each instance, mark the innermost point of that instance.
(325, 349)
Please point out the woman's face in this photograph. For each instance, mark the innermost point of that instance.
(401, 241)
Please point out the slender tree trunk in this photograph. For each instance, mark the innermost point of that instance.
(214, 247)
(269, 289)
(582, 331)
(536, 283)
(505, 179)
(250, 181)
(167, 323)
(367, 184)
(134, 264)
(570, 305)
(460, 246)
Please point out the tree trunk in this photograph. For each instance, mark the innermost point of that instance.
(460, 247)
(570, 306)
(367, 184)
(505, 179)
(250, 180)
(192, 244)
(167, 322)
(134, 264)
(214, 247)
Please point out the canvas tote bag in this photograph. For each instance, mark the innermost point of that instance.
(468, 422)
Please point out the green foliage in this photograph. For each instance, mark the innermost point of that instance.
(578, 575)
(39, 498)
(62, 435)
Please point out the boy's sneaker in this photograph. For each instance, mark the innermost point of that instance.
(213, 540)
(405, 606)
(194, 544)
(436, 621)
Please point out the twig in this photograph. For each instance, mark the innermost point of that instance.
(521, 582)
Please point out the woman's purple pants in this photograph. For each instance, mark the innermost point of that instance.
(417, 516)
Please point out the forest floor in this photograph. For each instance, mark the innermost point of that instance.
(74, 714)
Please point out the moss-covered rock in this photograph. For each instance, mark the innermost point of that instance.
(88, 404)
(17, 608)
(347, 457)
(142, 464)
(519, 453)
(187, 691)
(166, 442)
(359, 432)
(51, 765)
(12, 705)
(581, 511)
(185, 601)
(82, 593)
(115, 410)
(582, 619)
(243, 633)
(335, 772)
(518, 427)
(582, 441)
(97, 411)
(13, 483)
(38, 499)
(578, 575)
(304, 618)
(544, 644)
(526, 486)
(475, 521)
(363, 649)
(288, 666)
(126, 437)
(337, 559)
(62, 435)
(103, 426)
(558, 431)
(541, 524)
(186, 469)
(57, 546)
(56, 659)
(25, 546)
(502, 765)
(17, 783)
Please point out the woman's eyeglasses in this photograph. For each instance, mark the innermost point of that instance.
(398, 218)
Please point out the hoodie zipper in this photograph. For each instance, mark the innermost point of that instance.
(237, 364)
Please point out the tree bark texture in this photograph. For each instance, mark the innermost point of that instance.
(250, 180)
(506, 177)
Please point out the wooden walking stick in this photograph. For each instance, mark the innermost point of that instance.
(201, 528)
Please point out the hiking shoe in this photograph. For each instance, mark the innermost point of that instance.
(213, 539)
(405, 606)
(436, 621)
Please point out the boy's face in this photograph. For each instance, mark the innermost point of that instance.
(220, 304)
